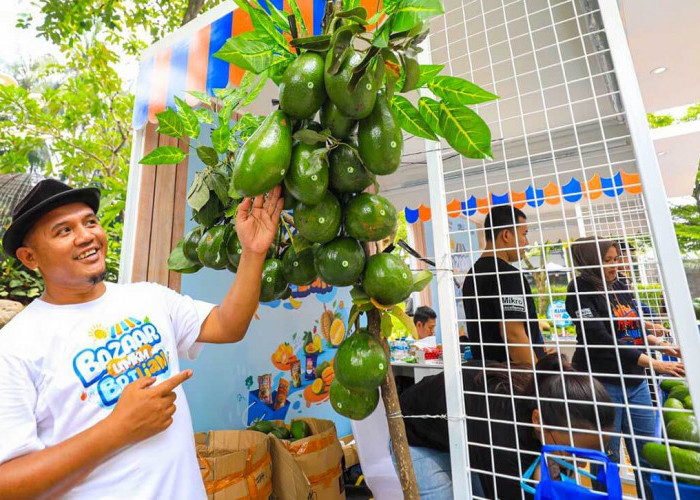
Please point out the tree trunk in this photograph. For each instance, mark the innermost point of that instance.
(193, 9)
(397, 429)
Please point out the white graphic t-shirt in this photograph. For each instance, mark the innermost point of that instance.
(63, 368)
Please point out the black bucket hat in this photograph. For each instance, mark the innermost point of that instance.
(44, 197)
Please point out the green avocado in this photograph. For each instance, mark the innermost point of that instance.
(300, 429)
(684, 461)
(189, 243)
(263, 426)
(302, 89)
(307, 179)
(319, 223)
(211, 250)
(387, 279)
(668, 384)
(298, 268)
(347, 174)
(669, 412)
(264, 159)
(333, 119)
(280, 432)
(370, 217)
(354, 104)
(380, 140)
(679, 392)
(273, 285)
(685, 429)
(340, 262)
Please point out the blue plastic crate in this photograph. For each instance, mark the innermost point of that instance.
(663, 489)
(259, 410)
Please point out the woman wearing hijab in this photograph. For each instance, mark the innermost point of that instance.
(610, 337)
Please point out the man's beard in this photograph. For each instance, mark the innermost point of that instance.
(98, 278)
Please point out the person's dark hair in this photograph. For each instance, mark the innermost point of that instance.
(559, 390)
(500, 218)
(423, 314)
(555, 390)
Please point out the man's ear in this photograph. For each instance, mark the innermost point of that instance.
(27, 257)
(536, 417)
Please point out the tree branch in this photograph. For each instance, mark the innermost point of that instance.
(193, 9)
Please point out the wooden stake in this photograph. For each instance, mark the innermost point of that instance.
(390, 397)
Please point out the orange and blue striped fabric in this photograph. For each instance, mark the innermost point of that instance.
(189, 63)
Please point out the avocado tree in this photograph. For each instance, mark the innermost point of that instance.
(342, 116)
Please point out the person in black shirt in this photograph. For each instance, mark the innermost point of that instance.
(508, 420)
(498, 303)
(611, 337)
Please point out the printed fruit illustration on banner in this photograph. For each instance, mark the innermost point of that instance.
(344, 111)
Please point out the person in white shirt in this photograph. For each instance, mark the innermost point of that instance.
(89, 372)
(425, 320)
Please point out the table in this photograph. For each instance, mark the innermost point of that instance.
(417, 370)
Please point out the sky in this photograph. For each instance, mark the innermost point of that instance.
(17, 44)
(24, 44)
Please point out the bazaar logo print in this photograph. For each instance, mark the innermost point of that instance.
(131, 352)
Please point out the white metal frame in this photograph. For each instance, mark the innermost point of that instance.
(680, 305)
(654, 206)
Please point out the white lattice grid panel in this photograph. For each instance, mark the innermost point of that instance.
(559, 116)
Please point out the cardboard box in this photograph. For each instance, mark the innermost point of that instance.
(235, 464)
(349, 451)
(321, 458)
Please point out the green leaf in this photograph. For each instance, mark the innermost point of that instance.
(202, 97)
(359, 71)
(299, 18)
(381, 36)
(354, 314)
(386, 326)
(357, 15)
(170, 124)
(365, 306)
(263, 24)
(231, 211)
(410, 119)
(350, 4)
(392, 71)
(465, 131)
(216, 181)
(254, 92)
(429, 109)
(250, 55)
(204, 115)
(164, 155)
(198, 194)
(421, 280)
(189, 118)
(458, 91)
(179, 263)
(208, 155)
(299, 243)
(405, 320)
(341, 45)
(320, 43)
(408, 13)
(312, 137)
(220, 136)
(411, 71)
(428, 72)
(318, 159)
(279, 18)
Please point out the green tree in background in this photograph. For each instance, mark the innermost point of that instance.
(71, 119)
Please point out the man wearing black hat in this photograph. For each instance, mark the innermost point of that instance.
(89, 372)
